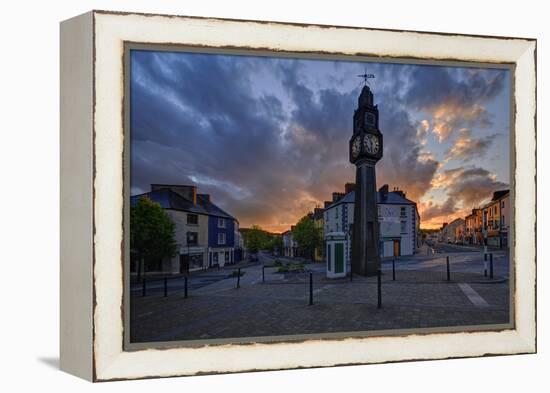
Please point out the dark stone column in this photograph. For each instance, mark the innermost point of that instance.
(365, 256)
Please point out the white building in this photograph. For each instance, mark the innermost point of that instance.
(290, 246)
(399, 224)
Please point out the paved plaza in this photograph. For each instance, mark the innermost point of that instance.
(278, 304)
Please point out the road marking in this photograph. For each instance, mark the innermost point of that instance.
(473, 296)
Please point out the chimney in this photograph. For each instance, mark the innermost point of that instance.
(187, 192)
(397, 191)
(384, 191)
(336, 196)
(349, 187)
(205, 197)
(327, 204)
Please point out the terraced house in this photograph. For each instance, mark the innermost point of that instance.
(206, 235)
(496, 219)
(398, 217)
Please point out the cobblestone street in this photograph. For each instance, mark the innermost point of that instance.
(280, 305)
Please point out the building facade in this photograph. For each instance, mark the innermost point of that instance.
(452, 232)
(473, 233)
(290, 246)
(398, 218)
(206, 235)
(496, 219)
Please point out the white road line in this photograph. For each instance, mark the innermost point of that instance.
(473, 296)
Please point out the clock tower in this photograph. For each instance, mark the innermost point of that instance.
(365, 149)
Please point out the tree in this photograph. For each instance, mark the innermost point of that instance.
(255, 239)
(307, 235)
(152, 232)
(276, 243)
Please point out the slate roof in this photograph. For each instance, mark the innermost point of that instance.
(499, 194)
(169, 199)
(391, 198)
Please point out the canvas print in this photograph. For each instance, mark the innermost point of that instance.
(275, 198)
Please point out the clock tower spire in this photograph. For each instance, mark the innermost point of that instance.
(365, 149)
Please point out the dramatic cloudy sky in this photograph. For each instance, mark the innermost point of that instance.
(268, 137)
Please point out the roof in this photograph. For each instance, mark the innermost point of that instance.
(499, 194)
(391, 198)
(169, 199)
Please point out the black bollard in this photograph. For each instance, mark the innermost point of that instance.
(185, 287)
(165, 287)
(448, 269)
(239, 278)
(491, 266)
(144, 289)
(379, 274)
(310, 289)
(263, 274)
(393, 269)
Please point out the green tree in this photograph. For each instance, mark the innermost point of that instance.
(307, 235)
(276, 243)
(256, 239)
(152, 232)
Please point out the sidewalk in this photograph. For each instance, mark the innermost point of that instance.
(280, 306)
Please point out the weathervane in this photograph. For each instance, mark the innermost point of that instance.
(366, 77)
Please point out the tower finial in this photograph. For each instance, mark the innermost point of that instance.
(366, 77)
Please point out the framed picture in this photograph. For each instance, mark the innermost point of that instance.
(248, 195)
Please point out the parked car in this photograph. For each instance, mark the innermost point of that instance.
(253, 257)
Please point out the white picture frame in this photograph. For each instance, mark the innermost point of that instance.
(92, 194)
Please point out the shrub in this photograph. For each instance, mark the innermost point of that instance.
(235, 273)
(282, 269)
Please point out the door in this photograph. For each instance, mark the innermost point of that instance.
(338, 258)
(184, 263)
(396, 248)
(329, 258)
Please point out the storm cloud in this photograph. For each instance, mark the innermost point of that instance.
(268, 137)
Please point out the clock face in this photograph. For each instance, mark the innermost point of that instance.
(369, 119)
(356, 147)
(372, 145)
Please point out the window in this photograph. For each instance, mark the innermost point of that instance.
(502, 220)
(192, 238)
(403, 211)
(221, 238)
(502, 204)
(192, 219)
(336, 227)
(221, 222)
(337, 211)
(403, 226)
